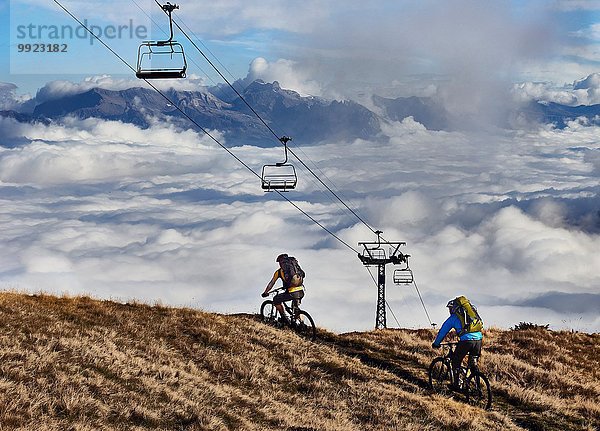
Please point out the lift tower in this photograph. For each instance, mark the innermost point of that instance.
(374, 254)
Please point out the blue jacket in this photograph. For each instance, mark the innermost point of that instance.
(454, 322)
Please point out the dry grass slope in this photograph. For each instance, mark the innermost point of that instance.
(83, 364)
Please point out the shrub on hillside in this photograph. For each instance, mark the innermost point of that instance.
(523, 326)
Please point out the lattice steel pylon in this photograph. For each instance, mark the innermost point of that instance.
(375, 255)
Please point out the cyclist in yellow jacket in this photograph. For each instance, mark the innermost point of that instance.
(291, 292)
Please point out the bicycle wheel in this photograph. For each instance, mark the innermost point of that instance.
(304, 325)
(478, 391)
(440, 375)
(268, 312)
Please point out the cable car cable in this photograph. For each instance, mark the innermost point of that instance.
(232, 76)
(267, 125)
(206, 47)
(423, 304)
(392, 311)
(418, 292)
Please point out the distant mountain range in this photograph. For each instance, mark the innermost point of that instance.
(558, 114)
(308, 120)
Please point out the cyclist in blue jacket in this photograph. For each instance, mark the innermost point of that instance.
(469, 342)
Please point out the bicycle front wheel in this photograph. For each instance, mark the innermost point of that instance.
(304, 325)
(440, 375)
(268, 312)
(478, 391)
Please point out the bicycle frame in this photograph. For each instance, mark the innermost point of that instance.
(448, 356)
(471, 367)
(291, 309)
(471, 382)
(299, 320)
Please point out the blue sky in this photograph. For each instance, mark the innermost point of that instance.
(551, 41)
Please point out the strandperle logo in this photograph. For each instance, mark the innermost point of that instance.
(42, 33)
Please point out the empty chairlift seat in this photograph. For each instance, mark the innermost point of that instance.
(279, 176)
(403, 276)
(162, 59)
(374, 253)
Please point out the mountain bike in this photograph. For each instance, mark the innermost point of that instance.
(472, 383)
(299, 320)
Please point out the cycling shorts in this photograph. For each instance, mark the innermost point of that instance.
(287, 296)
(471, 347)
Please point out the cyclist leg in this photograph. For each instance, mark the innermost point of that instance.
(474, 351)
(462, 348)
(296, 300)
(278, 301)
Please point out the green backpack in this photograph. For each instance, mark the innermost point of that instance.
(468, 315)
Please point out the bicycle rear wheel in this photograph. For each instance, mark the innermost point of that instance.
(478, 391)
(440, 375)
(304, 325)
(268, 312)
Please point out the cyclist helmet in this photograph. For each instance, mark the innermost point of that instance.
(280, 257)
(451, 305)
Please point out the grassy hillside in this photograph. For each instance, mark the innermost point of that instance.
(82, 364)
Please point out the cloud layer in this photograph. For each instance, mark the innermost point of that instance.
(508, 218)
(584, 91)
(114, 211)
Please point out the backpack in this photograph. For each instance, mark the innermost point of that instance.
(468, 315)
(292, 273)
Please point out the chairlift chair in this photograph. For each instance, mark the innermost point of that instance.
(403, 276)
(162, 59)
(279, 176)
(377, 253)
(157, 60)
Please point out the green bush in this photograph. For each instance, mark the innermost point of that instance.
(523, 326)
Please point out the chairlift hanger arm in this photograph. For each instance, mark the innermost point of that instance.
(168, 9)
(284, 140)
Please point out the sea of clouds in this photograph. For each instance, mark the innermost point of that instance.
(508, 218)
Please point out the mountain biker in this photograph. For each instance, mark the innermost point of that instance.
(469, 343)
(291, 292)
